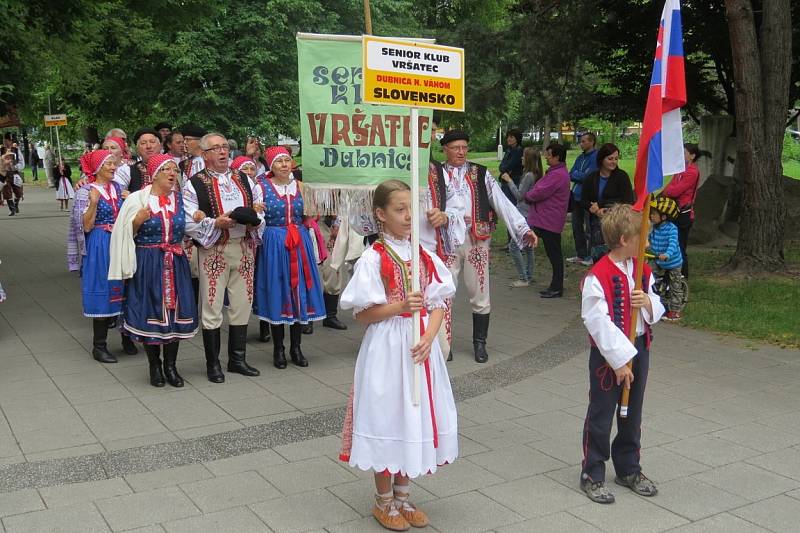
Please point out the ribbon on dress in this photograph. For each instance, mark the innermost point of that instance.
(427, 364)
(293, 242)
(168, 274)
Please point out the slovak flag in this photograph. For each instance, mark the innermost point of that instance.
(661, 144)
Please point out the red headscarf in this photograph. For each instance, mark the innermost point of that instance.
(240, 161)
(273, 152)
(155, 163)
(126, 154)
(92, 161)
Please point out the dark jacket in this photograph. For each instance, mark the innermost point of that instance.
(618, 189)
(512, 163)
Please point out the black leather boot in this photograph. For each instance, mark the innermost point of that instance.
(331, 309)
(237, 351)
(170, 357)
(480, 329)
(308, 329)
(153, 352)
(295, 333)
(128, 346)
(263, 331)
(278, 352)
(99, 347)
(211, 346)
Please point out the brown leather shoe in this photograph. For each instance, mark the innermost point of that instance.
(414, 516)
(387, 515)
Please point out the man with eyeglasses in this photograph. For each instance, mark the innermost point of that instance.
(225, 252)
(483, 201)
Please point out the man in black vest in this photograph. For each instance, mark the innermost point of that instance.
(483, 201)
(225, 252)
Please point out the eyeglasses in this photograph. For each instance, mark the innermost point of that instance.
(219, 148)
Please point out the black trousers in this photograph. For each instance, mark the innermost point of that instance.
(552, 245)
(604, 395)
(580, 229)
(684, 224)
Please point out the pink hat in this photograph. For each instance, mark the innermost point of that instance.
(274, 152)
(92, 161)
(241, 161)
(155, 163)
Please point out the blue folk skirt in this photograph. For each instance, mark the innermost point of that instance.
(146, 317)
(275, 300)
(101, 297)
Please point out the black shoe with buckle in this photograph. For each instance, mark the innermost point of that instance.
(638, 483)
(596, 491)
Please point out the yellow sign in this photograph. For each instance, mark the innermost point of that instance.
(414, 74)
(55, 120)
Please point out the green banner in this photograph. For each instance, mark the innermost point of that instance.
(344, 140)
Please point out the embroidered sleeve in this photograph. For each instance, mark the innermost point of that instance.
(439, 290)
(507, 211)
(123, 176)
(365, 288)
(204, 231)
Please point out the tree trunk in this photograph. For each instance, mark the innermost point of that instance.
(761, 75)
(546, 133)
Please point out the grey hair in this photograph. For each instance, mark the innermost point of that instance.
(204, 139)
(233, 144)
(114, 132)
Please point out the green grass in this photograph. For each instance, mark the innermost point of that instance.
(763, 308)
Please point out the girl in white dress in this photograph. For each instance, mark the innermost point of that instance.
(383, 430)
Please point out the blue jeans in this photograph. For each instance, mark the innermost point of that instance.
(525, 271)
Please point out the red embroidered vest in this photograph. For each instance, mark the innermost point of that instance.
(617, 292)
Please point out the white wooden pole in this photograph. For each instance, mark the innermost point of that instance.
(60, 159)
(415, 333)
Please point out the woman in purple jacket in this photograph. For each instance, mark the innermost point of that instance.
(548, 213)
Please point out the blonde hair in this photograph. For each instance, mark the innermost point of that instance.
(382, 196)
(620, 221)
(532, 162)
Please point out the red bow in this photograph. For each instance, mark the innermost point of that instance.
(164, 200)
(293, 242)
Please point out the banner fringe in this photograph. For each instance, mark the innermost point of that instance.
(334, 199)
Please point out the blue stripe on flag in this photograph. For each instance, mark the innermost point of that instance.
(655, 174)
(655, 78)
(675, 35)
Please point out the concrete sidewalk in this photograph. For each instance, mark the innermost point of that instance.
(90, 447)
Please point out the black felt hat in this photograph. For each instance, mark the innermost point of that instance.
(245, 215)
(454, 135)
(162, 125)
(192, 130)
(145, 131)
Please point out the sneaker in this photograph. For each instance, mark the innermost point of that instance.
(519, 283)
(596, 491)
(672, 316)
(587, 262)
(575, 259)
(638, 483)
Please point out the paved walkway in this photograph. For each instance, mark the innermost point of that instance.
(88, 447)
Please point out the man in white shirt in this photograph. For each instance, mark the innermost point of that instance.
(225, 253)
(483, 201)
